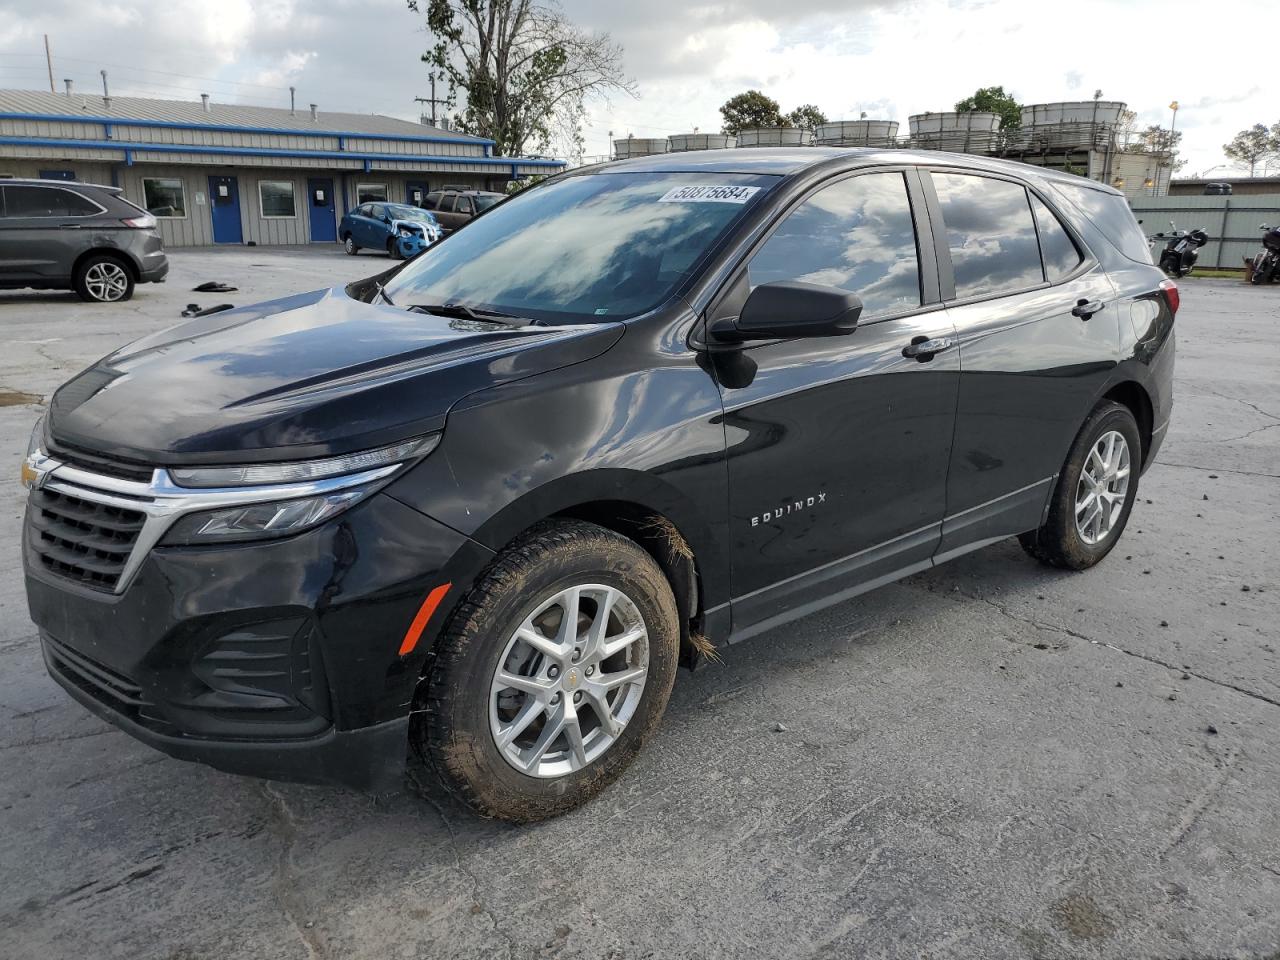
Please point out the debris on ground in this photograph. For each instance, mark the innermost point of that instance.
(194, 309)
(214, 286)
(1211, 730)
(779, 727)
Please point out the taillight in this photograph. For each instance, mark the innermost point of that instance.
(145, 222)
(1171, 295)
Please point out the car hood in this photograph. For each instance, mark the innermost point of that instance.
(311, 375)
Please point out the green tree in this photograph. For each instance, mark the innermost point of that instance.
(995, 100)
(1254, 144)
(1161, 142)
(807, 115)
(749, 110)
(522, 70)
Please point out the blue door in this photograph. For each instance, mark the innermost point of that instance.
(324, 228)
(224, 203)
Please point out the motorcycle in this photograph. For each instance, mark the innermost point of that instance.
(1266, 265)
(1181, 251)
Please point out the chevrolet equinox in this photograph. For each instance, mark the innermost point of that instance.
(470, 515)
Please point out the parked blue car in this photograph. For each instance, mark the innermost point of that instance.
(397, 228)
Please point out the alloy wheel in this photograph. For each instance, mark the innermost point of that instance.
(106, 281)
(569, 680)
(1104, 483)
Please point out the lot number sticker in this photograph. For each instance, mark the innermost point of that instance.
(709, 193)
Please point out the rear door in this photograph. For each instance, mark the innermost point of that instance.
(1013, 274)
(838, 446)
(448, 219)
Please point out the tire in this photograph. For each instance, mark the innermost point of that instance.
(1169, 265)
(1061, 541)
(349, 245)
(461, 707)
(103, 278)
(393, 249)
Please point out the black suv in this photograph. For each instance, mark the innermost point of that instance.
(57, 235)
(477, 509)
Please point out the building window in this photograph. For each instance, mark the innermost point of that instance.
(277, 198)
(366, 192)
(164, 197)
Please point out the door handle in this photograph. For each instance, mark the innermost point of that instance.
(924, 348)
(1084, 309)
(68, 226)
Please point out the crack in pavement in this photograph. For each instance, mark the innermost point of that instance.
(1245, 436)
(1056, 628)
(282, 816)
(476, 898)
(1203, 801)
(1192, 466)
(1252, 406)
(40, 741)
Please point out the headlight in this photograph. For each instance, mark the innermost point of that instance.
(260, 521)
(261, 501)
(303, 470)
(406, 232)
(35, 454)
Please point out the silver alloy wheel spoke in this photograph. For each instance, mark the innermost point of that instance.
(569, 680)
(1103, 487)
(106, 281)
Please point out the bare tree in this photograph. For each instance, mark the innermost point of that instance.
(519, 72)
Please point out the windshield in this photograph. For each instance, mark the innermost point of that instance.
(400, 211)
(601, 246)
(484, 201)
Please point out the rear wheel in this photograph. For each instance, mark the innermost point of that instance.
(349, 245)
(550, 675)
(1095, 492)
(103, 279)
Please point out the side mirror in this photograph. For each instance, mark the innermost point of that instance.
(787, 309)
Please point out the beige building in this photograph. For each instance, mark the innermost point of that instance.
(224, 173)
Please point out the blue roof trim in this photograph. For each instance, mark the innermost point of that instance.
(131, 148)
(233, 128)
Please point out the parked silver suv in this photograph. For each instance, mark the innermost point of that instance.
(57, 235)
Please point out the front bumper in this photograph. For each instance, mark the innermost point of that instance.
(278, 659)
(412, 245)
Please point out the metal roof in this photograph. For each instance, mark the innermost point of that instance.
(122, 109)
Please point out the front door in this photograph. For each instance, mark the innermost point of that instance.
(838, 447)
(224, 205)
(324, 226)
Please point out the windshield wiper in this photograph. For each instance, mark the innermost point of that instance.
(461, 311)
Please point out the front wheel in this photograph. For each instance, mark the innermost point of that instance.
(393, 249)
(550, 675)
(1094, 494)
(349, 245)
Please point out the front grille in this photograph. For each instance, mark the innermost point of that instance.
(105, 685)
(82, 540)
(97, 463)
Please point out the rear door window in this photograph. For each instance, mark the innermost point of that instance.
(464, 205)
(1057, 249)
(991, 235)
(1110, 213)
(47, 202)
(858, 235)
(432, 201)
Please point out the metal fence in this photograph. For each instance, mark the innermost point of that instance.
(1232, 223)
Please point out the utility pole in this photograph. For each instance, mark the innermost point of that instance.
(48, 62)
(432, 100)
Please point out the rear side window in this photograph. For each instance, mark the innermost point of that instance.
(464, 205)
(991, 235)
(46, 202)
(857, 235)
(1110, 213)
(1056, 246)
(432, 202)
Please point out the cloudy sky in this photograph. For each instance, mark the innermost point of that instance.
(890, 59)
